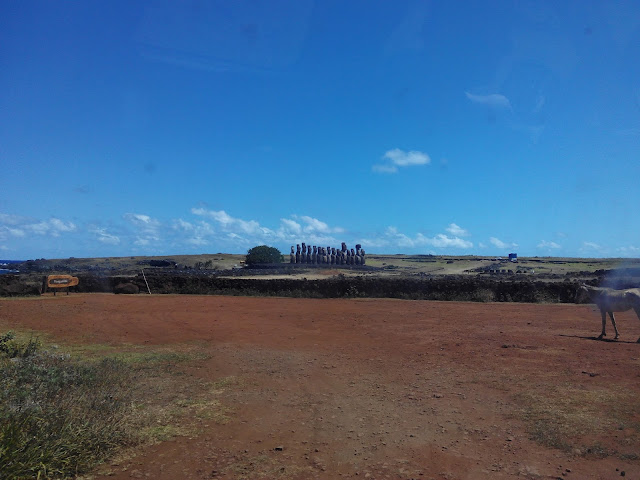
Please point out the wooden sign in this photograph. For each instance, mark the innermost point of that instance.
(61, 281)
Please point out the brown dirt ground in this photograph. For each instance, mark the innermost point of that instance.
(378, 389)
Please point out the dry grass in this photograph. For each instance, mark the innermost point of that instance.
(63, 414)
(582, 421)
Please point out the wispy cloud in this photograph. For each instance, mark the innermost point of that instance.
(10, 231)
(399, 158)
(457, 231)
(629, 251)
(147, 228)
(53, 227)
(290, 227)
(496, 242)
(227, 222)
(7, 219)
(548, 245)
(196, 234)
(385, 169)
(396, 239)
(540, 101)
(589, 248)
(403, 159)
(295, 229)
(494, 100)
(314, 225)
(103, 236)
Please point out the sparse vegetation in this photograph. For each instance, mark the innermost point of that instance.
(62, 415)
(59, 416)
(565, 418)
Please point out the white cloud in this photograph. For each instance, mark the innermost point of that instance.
(12, 219)
(629, 251)
(180, 224)
(104, 237)
(316, 226)
(40, 228)
(404, 159)
(591, 246)
(292, 230)
(197, 241)
(290, 226)
(494, 100)
(53, 227)
(307, 229)
(457, 231)
(147, 228)
(18, 226)
(142, 220)
(14, 232)
(219, 216)
(441, 240)
(500, 244)
(198, 233)
(399, 158)
(546, 244)
(227, 222)
(60, 226)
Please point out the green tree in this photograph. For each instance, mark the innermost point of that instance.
(263, 254)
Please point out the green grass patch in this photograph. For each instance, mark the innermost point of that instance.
(59, 417)
(63, 414)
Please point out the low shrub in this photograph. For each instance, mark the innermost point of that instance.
(59, 417)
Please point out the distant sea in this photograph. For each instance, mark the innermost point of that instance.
(5, 266)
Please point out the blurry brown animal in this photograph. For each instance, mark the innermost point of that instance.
(609, 300)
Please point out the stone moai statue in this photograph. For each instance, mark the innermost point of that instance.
(333, 256)
(362, 257)
(314, 255)
(292, 256)
(324, 255)
(303, 255)
(297, 253)
(353, 257)
(357, 262)
(344, 247)
(343, 257)
(358, 247)
(309, 254)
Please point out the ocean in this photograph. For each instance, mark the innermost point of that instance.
(5, 266)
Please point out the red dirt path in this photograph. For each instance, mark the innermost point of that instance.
(371, 388)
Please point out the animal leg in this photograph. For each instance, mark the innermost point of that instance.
(613, 320)
(604, 324)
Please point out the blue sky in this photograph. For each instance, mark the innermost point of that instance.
(479, 128)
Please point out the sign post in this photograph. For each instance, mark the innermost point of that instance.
(61, 281)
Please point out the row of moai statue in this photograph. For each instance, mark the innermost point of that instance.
(328, 256)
